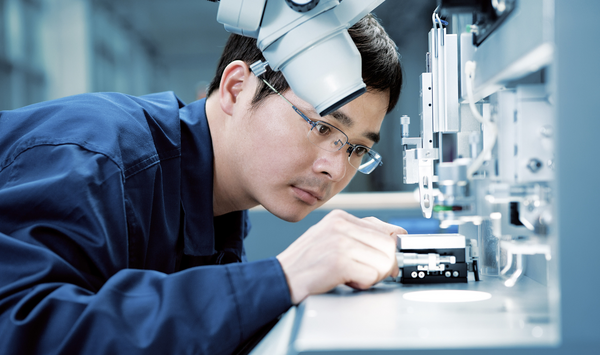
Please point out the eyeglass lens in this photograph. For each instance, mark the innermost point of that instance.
(330, 138)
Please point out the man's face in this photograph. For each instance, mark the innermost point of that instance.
(282, 170)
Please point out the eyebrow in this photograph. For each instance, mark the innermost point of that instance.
(348, 122)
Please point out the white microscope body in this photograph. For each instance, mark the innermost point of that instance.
(308, 42)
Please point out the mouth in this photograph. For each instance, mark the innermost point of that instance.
(309, 197)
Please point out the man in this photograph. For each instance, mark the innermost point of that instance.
(122, 218)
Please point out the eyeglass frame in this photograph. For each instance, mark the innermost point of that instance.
(375, 157)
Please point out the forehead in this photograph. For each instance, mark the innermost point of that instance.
(363, 116)
(369, 108)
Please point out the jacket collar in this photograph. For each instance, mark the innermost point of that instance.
(199, 225)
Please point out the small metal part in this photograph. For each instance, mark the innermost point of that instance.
(447, 274)
(547, 131)
(259, 68)
(421, 274)
(448, 259)
(405, 122)
(473, 29)
(455, 273)
(413, 274)
(534, 165)
(433, 261)
(424, 262)
(474, 144)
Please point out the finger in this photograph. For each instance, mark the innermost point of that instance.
(388, 250)
(377, 249)
(372, 222)
(371, 232)
(384, 227)
(381, 262)
(363, 276)
(395, 270)
(360, 276)
(371, 238)
(367, 222)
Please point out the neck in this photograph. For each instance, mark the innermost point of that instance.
(228, 193)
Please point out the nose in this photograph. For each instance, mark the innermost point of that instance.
(332, 164)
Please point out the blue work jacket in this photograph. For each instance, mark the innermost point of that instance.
(108, 244)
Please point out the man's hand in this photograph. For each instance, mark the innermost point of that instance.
(340, 249)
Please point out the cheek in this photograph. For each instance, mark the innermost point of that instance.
(274, 152)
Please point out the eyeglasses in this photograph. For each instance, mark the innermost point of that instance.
(330, 138)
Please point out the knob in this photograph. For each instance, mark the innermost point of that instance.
(302, 5)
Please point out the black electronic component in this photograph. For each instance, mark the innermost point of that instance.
(514, 214)
(434, 258)
(451, 273)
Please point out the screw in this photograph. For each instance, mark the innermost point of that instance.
(455, 273)
(447, 274)
(534, 165)
(421, 274)
(413, 274)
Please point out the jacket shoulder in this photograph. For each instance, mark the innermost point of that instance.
(127, 129)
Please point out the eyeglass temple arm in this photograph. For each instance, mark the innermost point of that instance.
(288, 101)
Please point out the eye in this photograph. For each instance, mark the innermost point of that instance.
(359, 150)
(322, 129)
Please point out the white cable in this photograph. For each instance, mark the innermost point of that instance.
(490, 126)
(433, 17)
(437, 17)
(441, 28)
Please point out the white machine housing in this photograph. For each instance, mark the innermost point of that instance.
(487, 137)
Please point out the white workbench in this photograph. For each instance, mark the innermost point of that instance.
(380, 320)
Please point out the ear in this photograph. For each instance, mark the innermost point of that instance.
(234, 80)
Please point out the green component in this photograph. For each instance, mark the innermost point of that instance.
(440, 208)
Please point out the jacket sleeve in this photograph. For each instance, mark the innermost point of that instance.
(64, 282)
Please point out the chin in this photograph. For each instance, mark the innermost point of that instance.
(293, 218)
(292, 214)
